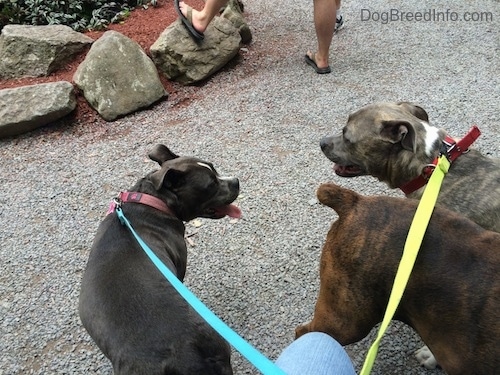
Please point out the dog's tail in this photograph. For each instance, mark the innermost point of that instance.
(340, 199)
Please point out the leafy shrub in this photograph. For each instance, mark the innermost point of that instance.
(78, 14)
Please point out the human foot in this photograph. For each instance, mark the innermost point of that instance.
(339, 23)
(198, 20)
(319, 65)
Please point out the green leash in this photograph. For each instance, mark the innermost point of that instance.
(410, 252)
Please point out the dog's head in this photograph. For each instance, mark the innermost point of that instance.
(192, 187)
(381, 137)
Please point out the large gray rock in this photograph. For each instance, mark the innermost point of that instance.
(234, 13)
(37, 50)
(29, 107)
(117, 77)
(180, 58)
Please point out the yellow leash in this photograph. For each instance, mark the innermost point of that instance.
(412, 245)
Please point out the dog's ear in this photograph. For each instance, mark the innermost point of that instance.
(400, 131)
(167, 177)
(415, 110)
(161, 154)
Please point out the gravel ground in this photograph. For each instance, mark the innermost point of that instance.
(260, 120)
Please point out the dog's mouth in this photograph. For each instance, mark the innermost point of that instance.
(347, 170)
(230, 210)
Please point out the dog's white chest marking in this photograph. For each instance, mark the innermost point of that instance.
(431, 136)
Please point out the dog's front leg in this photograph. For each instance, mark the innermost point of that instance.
(325, 320)
(345, 316)
(302, 330)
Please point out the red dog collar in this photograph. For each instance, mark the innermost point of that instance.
(453, 151)
(135, 197)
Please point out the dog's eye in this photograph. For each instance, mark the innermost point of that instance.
(344, 137)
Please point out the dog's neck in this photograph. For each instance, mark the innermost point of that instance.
(451, 149)
(141, 198)
(433, 139)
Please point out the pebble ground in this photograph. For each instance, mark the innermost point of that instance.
(260, 120)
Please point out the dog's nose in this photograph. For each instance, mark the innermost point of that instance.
(234, 183)
(324, 142)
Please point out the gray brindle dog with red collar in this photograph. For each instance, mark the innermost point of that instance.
(131, 311)
(395, 143)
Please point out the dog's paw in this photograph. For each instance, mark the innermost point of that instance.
(426, 358)
(301, 330)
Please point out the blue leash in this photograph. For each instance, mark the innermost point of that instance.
(261, 362)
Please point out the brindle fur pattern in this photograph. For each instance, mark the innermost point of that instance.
(452, 298)
(387, 141)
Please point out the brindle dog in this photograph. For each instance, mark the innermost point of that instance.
(394, 142)
(452, 297)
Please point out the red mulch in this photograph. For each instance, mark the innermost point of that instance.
(143, 25)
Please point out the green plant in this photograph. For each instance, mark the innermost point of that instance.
(78, 14)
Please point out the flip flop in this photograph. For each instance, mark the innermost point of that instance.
(188, 22)
(311, 61)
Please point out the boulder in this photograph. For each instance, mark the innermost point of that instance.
(117, 77)
(38, 50)
(234, 13)
(180, 58)
(29, 107)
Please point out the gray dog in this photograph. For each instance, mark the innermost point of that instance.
(395, 143)
(131, 311)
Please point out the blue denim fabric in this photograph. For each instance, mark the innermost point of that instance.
(315, 353)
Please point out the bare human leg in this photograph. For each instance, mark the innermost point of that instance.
(324, 22)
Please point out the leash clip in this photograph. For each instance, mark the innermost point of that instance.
(445, 149)
(115, 204)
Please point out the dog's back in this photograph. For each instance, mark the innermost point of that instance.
(472, 187)
(452, 298)
(132, 312)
